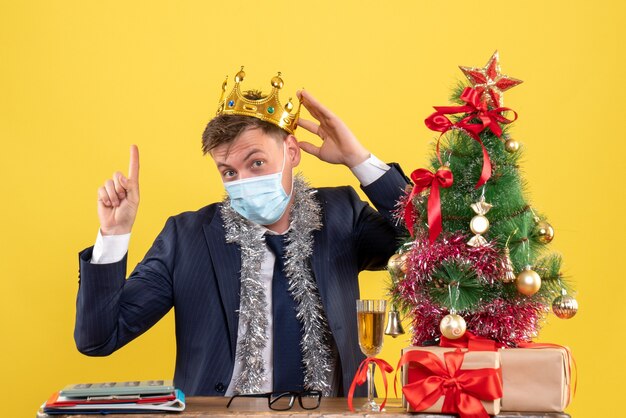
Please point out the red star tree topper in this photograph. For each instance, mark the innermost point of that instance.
(489, 81)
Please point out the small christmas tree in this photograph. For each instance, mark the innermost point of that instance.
(478, 257)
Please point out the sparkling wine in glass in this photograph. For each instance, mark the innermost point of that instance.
(371, 325)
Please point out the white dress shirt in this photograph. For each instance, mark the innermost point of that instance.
(113, 248)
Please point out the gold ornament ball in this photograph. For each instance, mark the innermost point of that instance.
(565, 307)
(544, 232)
(528, 282)
(397, 264)
(511, 145)
(404, 263)
(452, 326)
(479, 224)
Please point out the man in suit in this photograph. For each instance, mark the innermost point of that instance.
(263, 284)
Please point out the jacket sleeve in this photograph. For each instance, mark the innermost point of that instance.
(378, 234)
(111, 310)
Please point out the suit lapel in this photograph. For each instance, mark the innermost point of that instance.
(226, 260)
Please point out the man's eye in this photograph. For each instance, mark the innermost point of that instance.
(258, 163)
(228, 174)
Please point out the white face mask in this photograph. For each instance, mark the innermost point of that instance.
(261, 199)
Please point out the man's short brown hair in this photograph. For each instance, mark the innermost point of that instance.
(223, 129)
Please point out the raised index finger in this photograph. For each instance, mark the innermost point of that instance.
(133, 166)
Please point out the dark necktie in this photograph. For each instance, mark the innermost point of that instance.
(288, 373)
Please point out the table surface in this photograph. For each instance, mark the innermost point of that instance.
(330, 407)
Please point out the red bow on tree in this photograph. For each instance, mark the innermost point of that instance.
(462, 389)
(478, 119)
(425, 179)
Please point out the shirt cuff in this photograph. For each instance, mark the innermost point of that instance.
(109, 248)
(369, 170)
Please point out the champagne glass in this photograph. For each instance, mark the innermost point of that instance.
(371, 323)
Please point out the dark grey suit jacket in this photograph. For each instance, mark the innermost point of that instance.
(191, 267)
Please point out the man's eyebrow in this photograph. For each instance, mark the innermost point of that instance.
(221, 165)
(252, 152)
(247, 157)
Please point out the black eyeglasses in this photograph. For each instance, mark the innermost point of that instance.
(283, 401)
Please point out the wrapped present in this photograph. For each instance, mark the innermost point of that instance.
(451, 380)
(536, 378)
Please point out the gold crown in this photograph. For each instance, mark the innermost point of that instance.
(266, 108)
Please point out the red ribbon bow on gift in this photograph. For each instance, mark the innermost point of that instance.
(462, 389)
(471, 342)
(361, 377)
(425, 179)
(476, 109)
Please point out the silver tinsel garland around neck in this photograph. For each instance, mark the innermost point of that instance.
(305, 218)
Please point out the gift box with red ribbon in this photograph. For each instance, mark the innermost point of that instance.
(451, 380)
(536, 378)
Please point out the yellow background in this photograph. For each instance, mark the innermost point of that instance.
(81, 80)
